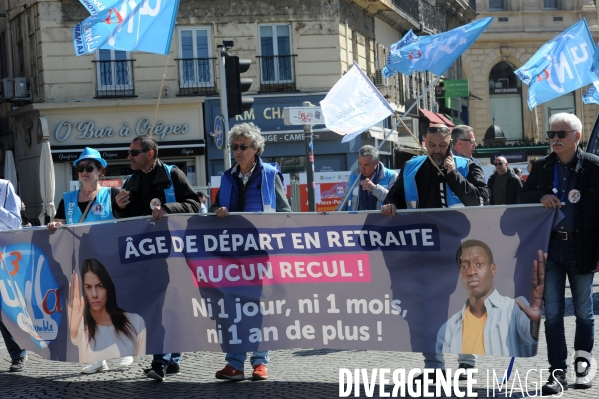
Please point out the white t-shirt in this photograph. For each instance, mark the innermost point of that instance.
(110, 345)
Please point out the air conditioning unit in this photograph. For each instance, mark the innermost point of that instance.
(21, 88)
(379, 80)
(7, 88)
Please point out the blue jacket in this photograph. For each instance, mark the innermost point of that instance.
(260, 195)
(386, 181)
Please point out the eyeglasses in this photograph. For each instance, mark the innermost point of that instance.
(472, 141)
(434, 129)
(135, 153)
(88, 168)
(243, 147)
(561, 134)
(498, 164)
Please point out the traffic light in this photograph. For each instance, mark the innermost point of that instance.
(236, 85)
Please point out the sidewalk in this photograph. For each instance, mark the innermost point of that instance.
(298, 373)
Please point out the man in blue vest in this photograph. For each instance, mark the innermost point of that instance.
(446, 181)
(251, 185)
(156, 189)
(374, 181)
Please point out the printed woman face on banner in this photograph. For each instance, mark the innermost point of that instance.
(95, 292)
(29, 293)
(98, 326)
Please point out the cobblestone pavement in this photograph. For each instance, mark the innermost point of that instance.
(312, 373)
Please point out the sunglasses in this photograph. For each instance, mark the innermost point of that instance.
(561, 134)
(88, 168)
(135, 153)
(243, 147)
(498, 164)
(443, 130)
(472, 141)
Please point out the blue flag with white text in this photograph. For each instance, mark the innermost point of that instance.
(561, 65)
(434, 53)
(126, 25)
(591, 96)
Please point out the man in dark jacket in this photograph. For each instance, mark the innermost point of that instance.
(568, 179)
(504, 184)
(155, 189)
(422, 185)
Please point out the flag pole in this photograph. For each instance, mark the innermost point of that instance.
(391, 131)
(159, 94)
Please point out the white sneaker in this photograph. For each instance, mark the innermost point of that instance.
(95, 367)
(124, 361)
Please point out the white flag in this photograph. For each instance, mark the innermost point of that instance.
(354, 105)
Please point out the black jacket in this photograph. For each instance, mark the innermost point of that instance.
(144, 188)
(514, 184)
(540, 182)
(470, 190)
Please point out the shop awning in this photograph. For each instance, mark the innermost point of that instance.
(435, 117)
(120, 151)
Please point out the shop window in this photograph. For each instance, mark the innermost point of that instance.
(276, 60)
(196, 67)
(550, 4)
(114, 73)
(505, 100)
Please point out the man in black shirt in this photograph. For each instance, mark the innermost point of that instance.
(155, 189)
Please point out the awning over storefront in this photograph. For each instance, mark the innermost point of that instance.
(435, 117)
(165, 149)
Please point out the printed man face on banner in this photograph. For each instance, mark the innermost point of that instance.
(490, 323)
(476, 272)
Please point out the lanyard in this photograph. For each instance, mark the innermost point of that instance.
(555, 182)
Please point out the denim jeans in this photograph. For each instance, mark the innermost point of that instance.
(14, 349)
(167, 358)
(561, 262)
(437, 361)
(237, 360)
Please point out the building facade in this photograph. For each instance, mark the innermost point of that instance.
(299, 50)
(498, 97)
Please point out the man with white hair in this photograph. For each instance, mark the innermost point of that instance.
(374, 181)
(568, 179)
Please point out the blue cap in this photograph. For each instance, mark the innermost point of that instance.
(90, 153)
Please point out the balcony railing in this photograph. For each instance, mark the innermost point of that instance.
(277, 73)
(196, 76)
(410, 7)
(431, 18)
(114, 79)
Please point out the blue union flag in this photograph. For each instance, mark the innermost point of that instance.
(127, 25)
(561, 65)
(434, 53)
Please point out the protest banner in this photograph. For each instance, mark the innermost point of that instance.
(264, 281)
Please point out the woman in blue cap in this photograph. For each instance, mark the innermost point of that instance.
(91, 203)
